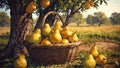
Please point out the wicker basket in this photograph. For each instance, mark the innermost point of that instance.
(52, 54)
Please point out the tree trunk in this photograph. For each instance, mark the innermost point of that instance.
(19, 28)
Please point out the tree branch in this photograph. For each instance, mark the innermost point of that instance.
(71, 13)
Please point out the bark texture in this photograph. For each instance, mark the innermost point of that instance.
(21, 23)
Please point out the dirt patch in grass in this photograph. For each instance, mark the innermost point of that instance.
(101, 45)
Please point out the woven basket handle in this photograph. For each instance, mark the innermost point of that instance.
(51, 12)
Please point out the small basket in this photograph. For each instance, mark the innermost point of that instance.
(53, 53)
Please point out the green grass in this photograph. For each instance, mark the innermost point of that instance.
(86, 35)
(89, 37)
(4, 38)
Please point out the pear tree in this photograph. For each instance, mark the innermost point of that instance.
(21, 17)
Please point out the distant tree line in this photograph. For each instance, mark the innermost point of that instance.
(98, 18)
(4, 19)
(115, 18)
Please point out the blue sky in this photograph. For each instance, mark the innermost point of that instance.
(113, 6)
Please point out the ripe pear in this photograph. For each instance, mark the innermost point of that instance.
(65, 41)
(86, 5)
(65, 32)
(45, 3)
(31, 7)
(20, 62)
(35, 37)
(55, 36)
(46, 29)
(94, 51)
(57, 25)
(91, 3)
(101, 59)
(73, 38)
(46, 41)
(89, 62)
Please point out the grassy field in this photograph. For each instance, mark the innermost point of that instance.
(95, 29)
(78, 29)
(86, 35)
(4, 30)
(92, 34)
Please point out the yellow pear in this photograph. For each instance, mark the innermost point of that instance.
(46, 41)
(55, 36)
(20, 62)
(45, 3)
(91, 3)
(86, 5)
(94, 51)
(30, 7)
(89, 62)
(65, 41)
(57, 25)
(73, 38)
(35, 37)
(101, 59)
(65, 32)
(46, 29)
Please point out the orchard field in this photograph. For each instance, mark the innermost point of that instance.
(107, 39)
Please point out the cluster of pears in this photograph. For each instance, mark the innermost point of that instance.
(94, 58)
(53, 35)
(20, 62)
(88, 4)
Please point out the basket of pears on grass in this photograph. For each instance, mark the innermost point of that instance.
(55, 44)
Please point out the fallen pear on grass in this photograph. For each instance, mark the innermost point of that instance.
(89, 62)
(20, 62)
(101, 59)
(94, 51)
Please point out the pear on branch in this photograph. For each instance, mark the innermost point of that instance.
(45, 3)
(91, 3)
(31, 7)
(86, 5)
